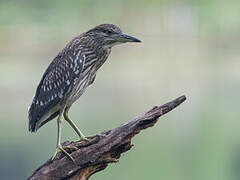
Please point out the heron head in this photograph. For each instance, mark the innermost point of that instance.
(111, 35)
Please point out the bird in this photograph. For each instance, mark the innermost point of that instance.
(69, 74)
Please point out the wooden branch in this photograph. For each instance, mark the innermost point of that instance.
(94, 156)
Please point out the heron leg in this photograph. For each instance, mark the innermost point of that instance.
(72, 124)
(61, 148)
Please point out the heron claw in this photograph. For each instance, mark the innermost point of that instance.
(61, 148)
(83, 138)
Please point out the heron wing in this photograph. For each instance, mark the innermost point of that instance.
(55, 83)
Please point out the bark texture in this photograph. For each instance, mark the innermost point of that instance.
(96, 154)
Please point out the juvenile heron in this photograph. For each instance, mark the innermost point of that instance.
(69, 75)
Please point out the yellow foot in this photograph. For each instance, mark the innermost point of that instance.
(83, 138)
(61, 148)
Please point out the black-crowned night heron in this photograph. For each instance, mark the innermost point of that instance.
(69, 75)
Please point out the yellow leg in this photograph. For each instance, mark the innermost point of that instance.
(80, 134)
(60, 148)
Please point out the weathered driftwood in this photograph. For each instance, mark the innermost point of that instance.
(94, 156)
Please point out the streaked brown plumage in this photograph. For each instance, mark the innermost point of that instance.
(70, 73)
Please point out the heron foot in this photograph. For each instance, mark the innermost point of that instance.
(83, 138)
(61, 148)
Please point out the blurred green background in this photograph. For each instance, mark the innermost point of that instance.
(189, 47)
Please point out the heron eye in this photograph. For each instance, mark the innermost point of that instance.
(107, 31)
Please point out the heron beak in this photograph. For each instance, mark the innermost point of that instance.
(126, 38)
